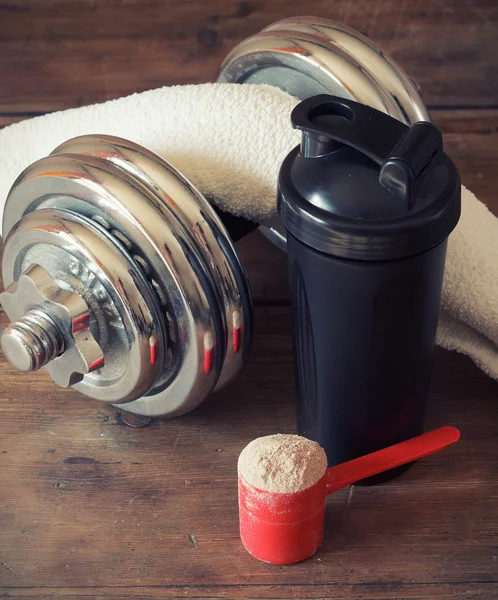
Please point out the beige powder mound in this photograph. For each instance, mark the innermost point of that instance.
(282, 463)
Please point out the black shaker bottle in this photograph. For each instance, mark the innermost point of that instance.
(368, 204)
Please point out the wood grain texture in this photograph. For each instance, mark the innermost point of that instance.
(96, 509)
(59, 54)
(91, 509)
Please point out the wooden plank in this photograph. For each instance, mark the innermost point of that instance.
(90, 508)
(56, 55)
(341, 591)
(10, 119)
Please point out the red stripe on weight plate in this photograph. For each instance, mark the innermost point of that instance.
(153, 349)
(237, 331)
(96, 364)
(208, 351)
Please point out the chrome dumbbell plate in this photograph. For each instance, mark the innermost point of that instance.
(153, 267)
(82, 259)
(168, 296)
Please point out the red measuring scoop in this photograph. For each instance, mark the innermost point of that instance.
(286, 528)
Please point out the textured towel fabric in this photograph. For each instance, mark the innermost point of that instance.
(230, 140)
(469, 317)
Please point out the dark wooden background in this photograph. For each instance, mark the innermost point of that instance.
(92, 509)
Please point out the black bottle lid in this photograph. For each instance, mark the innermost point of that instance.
(363, 185)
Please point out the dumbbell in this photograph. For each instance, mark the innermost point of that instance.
(121, 279)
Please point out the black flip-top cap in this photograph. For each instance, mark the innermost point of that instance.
(363, 185)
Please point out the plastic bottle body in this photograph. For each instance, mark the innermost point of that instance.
(364, 336)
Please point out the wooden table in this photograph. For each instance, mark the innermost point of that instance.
(92, 509)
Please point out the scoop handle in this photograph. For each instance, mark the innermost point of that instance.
(352, 471)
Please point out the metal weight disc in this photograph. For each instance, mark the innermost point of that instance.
(81, 257)
(183, 252)
(214, 248)
(305, 56)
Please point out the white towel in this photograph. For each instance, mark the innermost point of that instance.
(230, 140)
